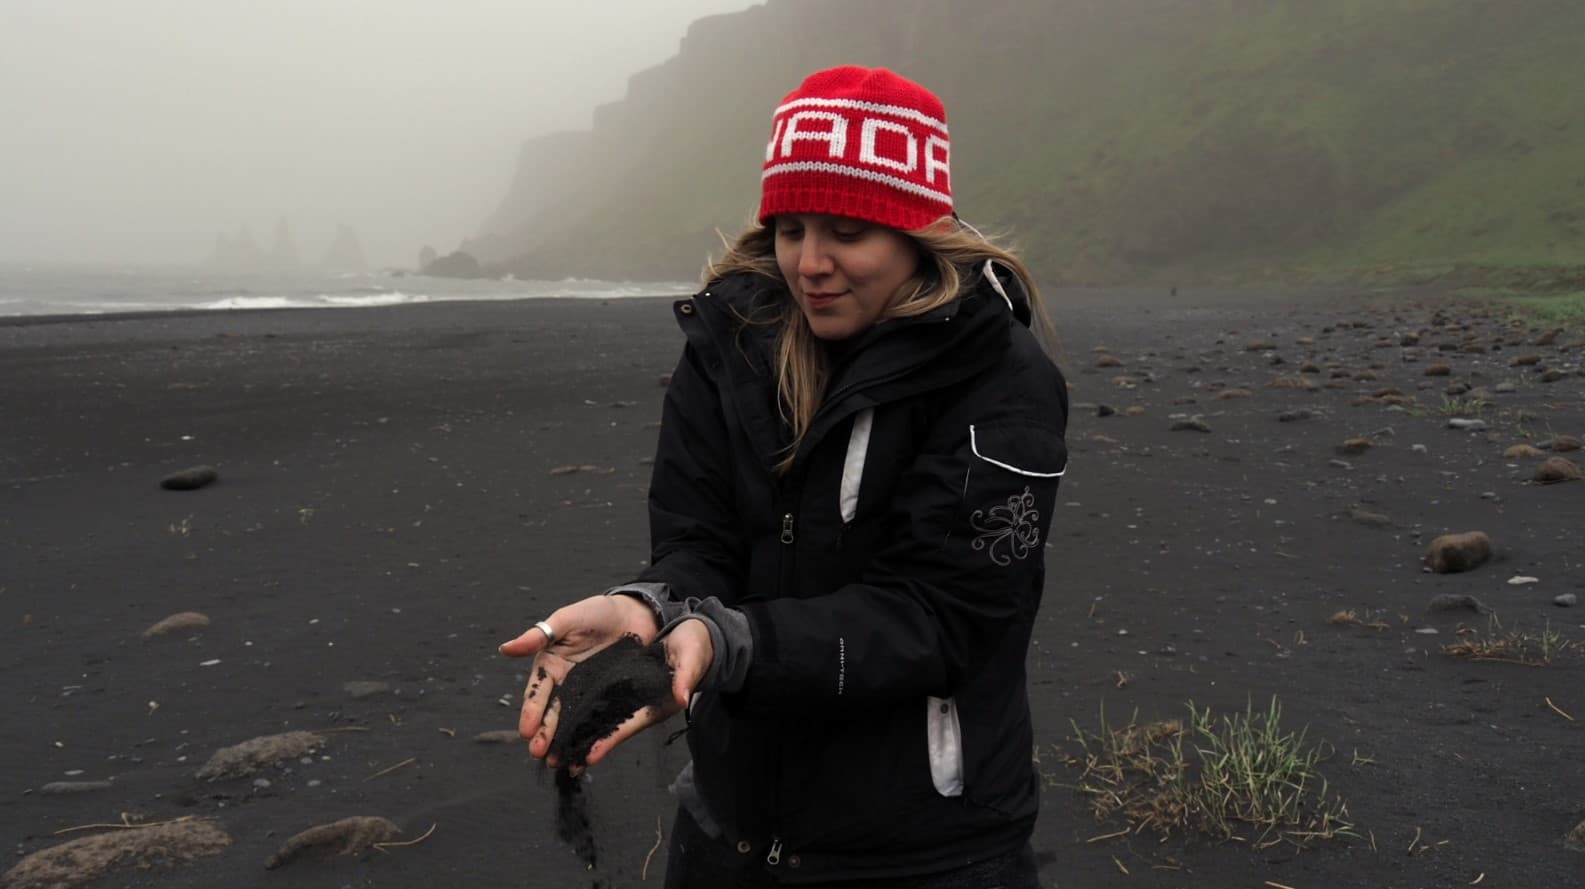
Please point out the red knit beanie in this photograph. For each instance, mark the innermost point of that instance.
(859, 142)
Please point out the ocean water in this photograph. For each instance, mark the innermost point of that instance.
(45, 289)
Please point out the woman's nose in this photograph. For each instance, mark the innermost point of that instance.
(813, 259)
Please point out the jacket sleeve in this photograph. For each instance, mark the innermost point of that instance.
(696, 548)
(964, 566)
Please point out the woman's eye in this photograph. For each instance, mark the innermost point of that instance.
(789, 233)
(852, 235)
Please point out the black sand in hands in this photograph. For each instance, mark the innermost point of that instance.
(597, 696)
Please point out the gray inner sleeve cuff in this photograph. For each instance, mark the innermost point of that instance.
(730, 636)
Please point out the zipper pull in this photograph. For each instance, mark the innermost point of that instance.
(787, 528)
(773, 857)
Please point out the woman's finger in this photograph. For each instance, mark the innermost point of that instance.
(547, 672)
(539, 744)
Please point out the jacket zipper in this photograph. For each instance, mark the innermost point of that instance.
(787, 536)
(773, 857)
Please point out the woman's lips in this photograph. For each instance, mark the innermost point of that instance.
(821, 300)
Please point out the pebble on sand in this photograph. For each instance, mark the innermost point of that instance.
(189, 479)
(349, 836)
(256, 753)
(1562, 443)
(1453, 553)
(81, 861)
(182, 620)
(1191, 424)
(499, 736)
(1558, 469)
(1523, 452)
(1355, 446)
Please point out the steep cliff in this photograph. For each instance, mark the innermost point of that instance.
(1114, 139)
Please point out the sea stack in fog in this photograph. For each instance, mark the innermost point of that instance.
(345, 254)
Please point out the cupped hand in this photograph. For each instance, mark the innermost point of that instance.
(584, 628)
(689, 652)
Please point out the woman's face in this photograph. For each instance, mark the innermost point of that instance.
(842, 272)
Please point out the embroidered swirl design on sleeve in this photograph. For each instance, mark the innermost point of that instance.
(1008, 532)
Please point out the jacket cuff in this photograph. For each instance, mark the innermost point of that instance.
(657, 596)
(731, 639)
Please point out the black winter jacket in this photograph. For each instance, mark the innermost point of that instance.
(890, 580)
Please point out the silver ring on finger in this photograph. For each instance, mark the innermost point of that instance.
(550, 634)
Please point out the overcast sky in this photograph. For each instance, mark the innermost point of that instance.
(138, 130)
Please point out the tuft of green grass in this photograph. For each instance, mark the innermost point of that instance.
(1235, 778)
(1456, 406)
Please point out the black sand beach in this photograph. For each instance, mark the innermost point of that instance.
(402, 489)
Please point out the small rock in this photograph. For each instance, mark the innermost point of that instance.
(1369, 519)
(1293, 416)
(256, 753)
(184, 620)
(1558, 469)
(501, 736)
(189, 479)
(1456, 602)
(1505, 388)
(361, 689)
(66, 788)
(1339, 464)
(1562, 443)
(1521, 580)
(1552, 376)
(1426, 631)
(1234, 392)
(1453, 553)
(1566, 600)
(1353, 447)
(1104, 410)
(1192, 424)
(1108, 361)
(1420, 449)
(349, 836)
(1466, 424)
(1438, 370)
(1523, 452)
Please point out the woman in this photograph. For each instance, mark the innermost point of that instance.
(858, 461)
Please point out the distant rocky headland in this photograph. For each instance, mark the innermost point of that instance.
(1225, 140)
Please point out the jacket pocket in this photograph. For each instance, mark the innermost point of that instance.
(1030, 451)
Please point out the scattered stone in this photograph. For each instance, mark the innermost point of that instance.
(1527, 360)
(1453, 553)
(1552, 376)
(1523, 452)
(183, 620)
(1456, 602)
(665, 380)
(67, 788)
(1293, 416)
(1521, 580)
(1339, 464)
(569, 470)
(1409, 339)
(349, 836)
(1505, 388)
(1108, 361)
(79, 862)
(189, 479)
(1562, 443)
(361, 689)
(1353, 447)
(1104, 410)
(1420, 449)
(1368, 518)
(500, 736)
(1190, 424)
(1465, 424)
(1426, 631)
(1135, 410)
(1558, 469)
(1258, 346)
(1566, 600)
(1439, 370)
(251, 755)
(1233, 393)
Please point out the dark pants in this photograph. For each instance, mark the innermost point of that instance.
(695, 861)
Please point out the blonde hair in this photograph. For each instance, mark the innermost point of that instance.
(951, 252)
